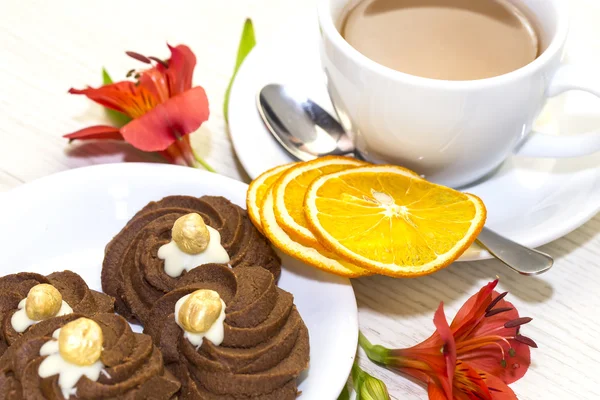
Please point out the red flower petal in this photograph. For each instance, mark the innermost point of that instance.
(435, 392)
(489, 358)
(155, 81)
(168, 122)
(449, 349)
(124, 97)
(472, 311)
(181, 69)
(494, 325)
(438, 353)
(96, 132)
(497, 388)
(165, 82)
(468, 384)
(471, 323)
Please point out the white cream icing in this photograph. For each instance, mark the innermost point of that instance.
(20, 321)
(68, 373)
(177, 261)
(215, 333)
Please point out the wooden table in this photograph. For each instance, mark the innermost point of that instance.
(48, 47)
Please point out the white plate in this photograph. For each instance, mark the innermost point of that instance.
(64, 221)
(531, 201)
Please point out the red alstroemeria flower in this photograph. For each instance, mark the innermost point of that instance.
(487, 334)
(163, 107)
(474, 358)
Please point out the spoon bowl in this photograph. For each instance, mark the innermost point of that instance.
(300, 125)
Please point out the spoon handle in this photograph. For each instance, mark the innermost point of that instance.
(522, 259)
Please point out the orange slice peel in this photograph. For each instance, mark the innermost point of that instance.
(317, 257)
(290, 189)
(258, 190)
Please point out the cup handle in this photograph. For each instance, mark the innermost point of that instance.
(568, 77)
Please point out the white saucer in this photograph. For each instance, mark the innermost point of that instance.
(531, 201)
(65, 220)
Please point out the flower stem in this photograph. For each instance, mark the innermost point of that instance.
(184, 151)
(173, 155)
(202, 162)
(375, 353)
(392, 359)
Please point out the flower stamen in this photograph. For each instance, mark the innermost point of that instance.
(497, 311)
(518, 322)
(159, 61)
(495, 301)
(463, 349)
(525, 340)
(482, 341)
(138, 56)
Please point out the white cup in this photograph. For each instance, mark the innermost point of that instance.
(452, 132)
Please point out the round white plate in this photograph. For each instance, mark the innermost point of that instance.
(64, 221)
(531, 201)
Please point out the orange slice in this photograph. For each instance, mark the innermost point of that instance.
(258, 189)
(315, 256)
(389, 220)
(290, 189)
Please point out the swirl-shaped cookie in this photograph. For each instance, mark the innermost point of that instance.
(131, 366)
(73, 289)
(265, 344)
(133, 273)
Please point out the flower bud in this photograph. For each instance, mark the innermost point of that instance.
(368, 387)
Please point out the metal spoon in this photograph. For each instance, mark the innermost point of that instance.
(300, 125)
(307, 131)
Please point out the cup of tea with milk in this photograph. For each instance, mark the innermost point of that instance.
(449, 88)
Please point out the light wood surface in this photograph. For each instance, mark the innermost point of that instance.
(47, 47)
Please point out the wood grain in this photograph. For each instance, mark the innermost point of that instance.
(47, 47)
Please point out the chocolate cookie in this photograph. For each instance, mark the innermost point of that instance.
(133, 273)
(73, 289)
(265, 344)
(131, 366)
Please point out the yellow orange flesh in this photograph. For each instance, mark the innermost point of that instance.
(389, 220)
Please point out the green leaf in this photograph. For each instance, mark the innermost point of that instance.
(117, 118)
(345, 395)
(106, 79)
(375, 352)
(247, 43)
